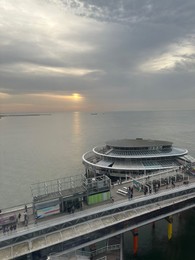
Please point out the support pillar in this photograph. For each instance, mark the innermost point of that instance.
(170, 230)
(170, 227)
(121, 246)
(135, 241)
(153, 225)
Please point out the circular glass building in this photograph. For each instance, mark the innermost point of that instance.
(132, 158)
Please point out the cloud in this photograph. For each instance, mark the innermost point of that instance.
(174, 57)
(28, 69)
(123, 54)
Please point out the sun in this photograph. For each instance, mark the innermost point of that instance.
(76, 96)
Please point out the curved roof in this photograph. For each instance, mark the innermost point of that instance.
(109, 156)
(134, 143)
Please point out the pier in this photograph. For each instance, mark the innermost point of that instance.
(64, 233)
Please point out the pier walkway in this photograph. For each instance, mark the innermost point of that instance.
(68, 232)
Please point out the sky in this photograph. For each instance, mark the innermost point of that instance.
(96, 55)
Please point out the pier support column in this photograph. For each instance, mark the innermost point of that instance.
(170, 230)
(170, 226)
(153, 225)
(121, 246)
(135, 241)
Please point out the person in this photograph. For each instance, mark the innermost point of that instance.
(112, 199)
(4, 230)
(25, 218)
(19, 216)
(131, 192)
(155, 187)
(173, 184)
(14, 227)
(25, 208)
(145, 190)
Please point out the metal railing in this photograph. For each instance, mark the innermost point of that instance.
(99, 251)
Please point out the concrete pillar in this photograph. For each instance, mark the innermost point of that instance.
(135, 241)
(121, 246)
(170, 230)
(170, 227)
(153, 225)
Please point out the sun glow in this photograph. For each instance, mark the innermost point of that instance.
(72, 101)
(76, 96)
(4, 95)
(72, 97)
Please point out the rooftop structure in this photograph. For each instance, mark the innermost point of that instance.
(68, 193)
(134, 157)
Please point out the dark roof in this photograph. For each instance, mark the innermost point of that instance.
(132, 143)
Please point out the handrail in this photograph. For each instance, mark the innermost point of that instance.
(99, 251)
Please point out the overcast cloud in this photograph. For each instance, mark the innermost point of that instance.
(96, 55)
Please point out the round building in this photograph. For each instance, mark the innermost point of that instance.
(133, 157)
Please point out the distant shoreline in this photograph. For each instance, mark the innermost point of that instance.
(8, 115)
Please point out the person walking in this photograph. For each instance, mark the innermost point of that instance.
(129, 193)
(132, 192)
(19, 217)
(173, 183)
(145, 190)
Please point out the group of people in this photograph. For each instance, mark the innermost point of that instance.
(148, 189)
(25, 216)
(14, 221)
(9, 228)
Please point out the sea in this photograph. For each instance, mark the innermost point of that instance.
(44, 147)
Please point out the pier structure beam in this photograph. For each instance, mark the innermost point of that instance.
(135, 241)
(170, 227)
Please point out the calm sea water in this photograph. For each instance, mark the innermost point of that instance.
(46, 147)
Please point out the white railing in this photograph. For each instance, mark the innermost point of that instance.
(98, 251)
(102, 258)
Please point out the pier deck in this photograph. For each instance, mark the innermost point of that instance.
(55, 219)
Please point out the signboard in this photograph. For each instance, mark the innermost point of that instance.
(99, 197)
(137, 185)
(44, 212)
(48, 208)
